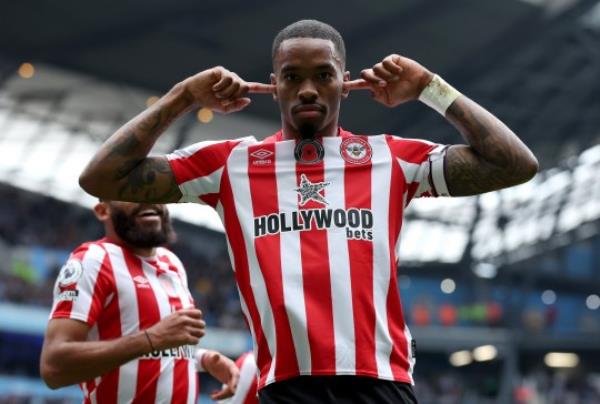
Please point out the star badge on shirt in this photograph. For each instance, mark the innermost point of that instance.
(310, 191)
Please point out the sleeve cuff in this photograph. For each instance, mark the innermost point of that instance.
(198, 357)
(438, 177)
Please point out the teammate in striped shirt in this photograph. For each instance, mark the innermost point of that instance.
(123, 324)
(313, 213)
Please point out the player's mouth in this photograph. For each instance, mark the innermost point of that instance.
(308, 111)
(149, 215)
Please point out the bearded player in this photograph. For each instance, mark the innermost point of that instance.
(123, 325)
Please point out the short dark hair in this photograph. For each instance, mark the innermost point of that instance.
(310, 29)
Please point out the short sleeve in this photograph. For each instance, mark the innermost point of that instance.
(83, 285)
(198, 169)
(422, 164)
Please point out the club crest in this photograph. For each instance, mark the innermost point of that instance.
(356, 150)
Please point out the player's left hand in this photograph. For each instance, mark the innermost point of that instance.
(224, 370)
(393, 81)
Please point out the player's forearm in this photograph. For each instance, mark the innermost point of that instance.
(126, 150)
(71, 362)
(493, 142)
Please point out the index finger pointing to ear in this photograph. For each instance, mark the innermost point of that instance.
(260, 88)
(358, 84)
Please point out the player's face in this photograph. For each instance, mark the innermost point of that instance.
(141, 225)
(308, 77)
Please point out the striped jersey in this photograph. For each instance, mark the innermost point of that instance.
(313, 235)
(118, 293)
(246, 391)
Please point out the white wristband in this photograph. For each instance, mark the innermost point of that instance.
(198, 355)
(438, 95)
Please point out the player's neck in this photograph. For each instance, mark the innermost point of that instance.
(289, 132)
(141, 251)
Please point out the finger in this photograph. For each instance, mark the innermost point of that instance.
(370, 76)
(391, 64)
(195, 323)
(225, 81)
(358, 84)
(195, 332)
(260, 88)
(225, 392)
(383, 73)
(191, 312)
(234, 380)
(241, 92)
(235, 105)
(229, 91)
(193, 336)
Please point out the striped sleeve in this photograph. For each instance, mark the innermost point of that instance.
(83, 285)
(198, 169)
(422, 163)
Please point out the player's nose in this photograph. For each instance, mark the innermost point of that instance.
(308, 91)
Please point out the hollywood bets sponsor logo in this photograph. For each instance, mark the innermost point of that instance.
(181, 352)
(358, 223)
(356, 150)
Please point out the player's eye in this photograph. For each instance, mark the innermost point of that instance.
(290, 77)
(325, 75)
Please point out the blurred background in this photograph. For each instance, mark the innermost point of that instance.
(501, 291)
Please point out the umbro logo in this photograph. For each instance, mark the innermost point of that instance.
(262, 157)
(141, 282)
(262, 154)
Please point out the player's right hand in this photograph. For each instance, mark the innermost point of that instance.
(221, 90)
(183, 327)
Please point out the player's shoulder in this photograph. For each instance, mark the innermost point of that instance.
(88, 257)
(211, 147)
(89, 249)
(408, 141)
(165, 254)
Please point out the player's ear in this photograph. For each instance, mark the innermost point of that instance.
(101, 210)
(346, 91)
(274, 82)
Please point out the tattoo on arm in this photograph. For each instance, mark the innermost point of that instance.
(122, 170)
(467, 174)
(495, 157)
(150, 181)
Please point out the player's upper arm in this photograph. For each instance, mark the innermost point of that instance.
(151, 181)
(59, 330)
(468, 174)
(148, 180)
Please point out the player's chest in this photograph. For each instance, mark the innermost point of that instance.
(289, 176)
(146, 289)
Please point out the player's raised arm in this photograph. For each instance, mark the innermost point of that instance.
(122, 170)
(494, 156)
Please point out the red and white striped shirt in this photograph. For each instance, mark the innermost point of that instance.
(314, 246)
(246, 392)
(118, 293)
